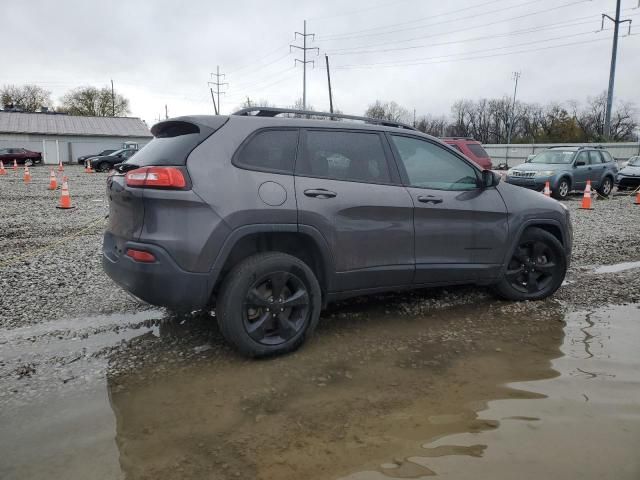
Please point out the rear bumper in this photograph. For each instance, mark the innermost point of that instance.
(162, 283)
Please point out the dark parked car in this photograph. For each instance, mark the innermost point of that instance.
(21, 155)
(104, 163)
(472, 149)
(567, 169)
(83, 158)
(271, 218)
(629, 176)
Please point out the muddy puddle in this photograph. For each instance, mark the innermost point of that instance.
(494, 390)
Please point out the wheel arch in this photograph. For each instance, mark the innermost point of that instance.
(549, 225)
(305, 243)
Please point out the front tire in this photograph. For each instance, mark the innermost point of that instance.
(536, 269)
(268, 304)
(564, 187)
(103, 167)
(605, 187)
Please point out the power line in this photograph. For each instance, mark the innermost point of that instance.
(517, 17)
(354, 12)
(552, 26)
(475, 57)
(522, 44)
(304, 60)
(260, 57)
(418, 20)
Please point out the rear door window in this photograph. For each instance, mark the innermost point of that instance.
(594, 158)
(339, 155)
(272, 150)
(477, 150)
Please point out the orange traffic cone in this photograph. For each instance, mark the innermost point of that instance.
(27, 175)
(586, 198)
(53, 181)
(60, 167)
(637, 202)
(65, 198)
(88, 169)
(15, 164)
(2, 170)
(547, 189)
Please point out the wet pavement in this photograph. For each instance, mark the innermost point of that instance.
(490, 390)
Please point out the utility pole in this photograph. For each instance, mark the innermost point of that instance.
(414, 118)
(326, 57)
(213, 99)
(516, 77)
(612, 72)
(218, 84)
(113, 100)
(304, 60)
(166, 112)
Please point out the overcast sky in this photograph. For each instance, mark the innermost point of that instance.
(424, 54)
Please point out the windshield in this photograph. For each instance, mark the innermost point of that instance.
(634, 161)
(554, 156)
(113, 154)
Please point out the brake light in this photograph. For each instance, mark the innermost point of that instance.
(156, 177)
(141, 255)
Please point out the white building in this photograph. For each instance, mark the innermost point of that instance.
(67, 137)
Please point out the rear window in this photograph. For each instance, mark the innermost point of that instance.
(477, 150)
(606, 156)
(351, 156)
(173, 142)
(270, 151)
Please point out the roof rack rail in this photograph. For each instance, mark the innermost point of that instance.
(272, 112)
(457, 138)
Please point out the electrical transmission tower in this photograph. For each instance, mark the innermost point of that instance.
(304, 60)
(612, 72)
(217, 85)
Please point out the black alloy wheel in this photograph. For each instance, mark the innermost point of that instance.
(276, 308)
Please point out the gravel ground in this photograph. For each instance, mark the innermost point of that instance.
(50, 263)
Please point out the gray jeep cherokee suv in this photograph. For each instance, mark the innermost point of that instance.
(270, 218)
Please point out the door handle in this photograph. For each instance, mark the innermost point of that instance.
(320, 193)
(429, 199)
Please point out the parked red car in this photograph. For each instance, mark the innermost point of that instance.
(472, 149)
(21, 155)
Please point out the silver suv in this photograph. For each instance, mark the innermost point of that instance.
(268, 219)
(566, 169)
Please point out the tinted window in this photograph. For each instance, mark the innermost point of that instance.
(353, 156)
(431, 166)
(271, 150)
(477, 150)
(455, 146)
(594, 158)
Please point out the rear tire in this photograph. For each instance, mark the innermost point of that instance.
(268, 304)
(536, 269)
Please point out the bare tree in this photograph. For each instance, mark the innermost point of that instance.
(387, 111)
(92, 101)
(27, 98)
(432, 125)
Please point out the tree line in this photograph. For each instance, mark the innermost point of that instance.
(489, 120)
(84, 101)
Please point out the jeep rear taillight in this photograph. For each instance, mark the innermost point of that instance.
(156, 177)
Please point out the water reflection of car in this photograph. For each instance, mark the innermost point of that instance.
(21, 155)
(567, 169)
(105, 163)
(84, 158)
(629, 176)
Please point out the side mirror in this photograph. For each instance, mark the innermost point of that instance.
(580, 164)
(489, 179)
